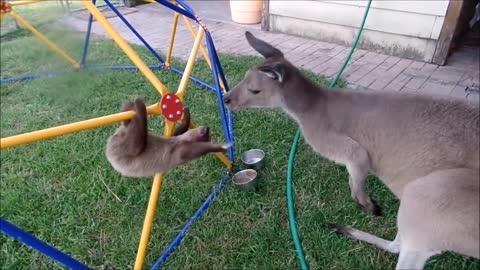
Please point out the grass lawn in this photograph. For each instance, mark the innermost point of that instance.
(62, 189)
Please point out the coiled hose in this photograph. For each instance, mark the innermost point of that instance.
(291, 158)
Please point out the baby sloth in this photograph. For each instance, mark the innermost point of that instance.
(132, 151)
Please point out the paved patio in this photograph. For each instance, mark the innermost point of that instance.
(370, 70)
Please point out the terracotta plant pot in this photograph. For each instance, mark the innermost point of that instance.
(246, 11)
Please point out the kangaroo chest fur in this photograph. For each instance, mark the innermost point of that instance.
(405, 136)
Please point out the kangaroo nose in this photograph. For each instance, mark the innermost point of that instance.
(226, 100)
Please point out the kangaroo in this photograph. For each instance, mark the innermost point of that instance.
(132, 151)
(425, 149)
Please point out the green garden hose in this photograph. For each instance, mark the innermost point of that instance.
(291, 158)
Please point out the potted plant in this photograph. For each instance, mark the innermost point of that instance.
(246, 11)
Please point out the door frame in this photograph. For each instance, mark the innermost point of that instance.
(445, 39)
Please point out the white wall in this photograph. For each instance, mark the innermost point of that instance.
(403, 28)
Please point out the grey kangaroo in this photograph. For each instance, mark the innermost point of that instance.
(132, 151)
(424, 148)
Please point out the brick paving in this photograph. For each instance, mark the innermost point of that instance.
(366, 70)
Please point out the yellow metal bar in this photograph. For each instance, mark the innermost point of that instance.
(26, 2)
(202, 48)
(172, 38)
(224, 159)
(72, 127)
(147, 72)
(182, 87)
(152, 206)
(219, 155)
(147, 224)
(194, 35)
(44, 39)
(184, 82)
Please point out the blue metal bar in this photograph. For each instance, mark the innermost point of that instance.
(53, 73)
(229, 113)
(174, 69)
(221, 107)
(120, 67)
(115, 10)
(225, 83)
(193, 79)
(186, 7)
(177, 9)
(178, 238)
(216, 60)
(46, 249)
(215, 68)
(219, 97)
(30, 76)
(86, 42)
(230, 127)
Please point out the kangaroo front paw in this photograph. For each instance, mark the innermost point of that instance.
(371, 207)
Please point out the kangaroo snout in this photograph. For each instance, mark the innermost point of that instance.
(226, 100)
(229, 100)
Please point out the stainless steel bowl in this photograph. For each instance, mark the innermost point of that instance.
(245, 179)
(254, 159)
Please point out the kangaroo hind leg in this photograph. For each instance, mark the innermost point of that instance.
(352, 233)
(413, 260)
(408, 259)
(439, 212)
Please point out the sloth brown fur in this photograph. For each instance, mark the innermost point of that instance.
(132, 151)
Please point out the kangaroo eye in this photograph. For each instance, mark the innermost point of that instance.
(254, 91)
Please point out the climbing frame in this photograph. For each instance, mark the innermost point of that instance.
(170, 106)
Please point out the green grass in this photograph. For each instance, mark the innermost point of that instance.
(62, 189)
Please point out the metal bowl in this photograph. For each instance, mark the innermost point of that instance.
(245, 179)
(254, 159)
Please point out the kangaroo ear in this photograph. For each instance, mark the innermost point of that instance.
(262, 47)
(276, 72)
